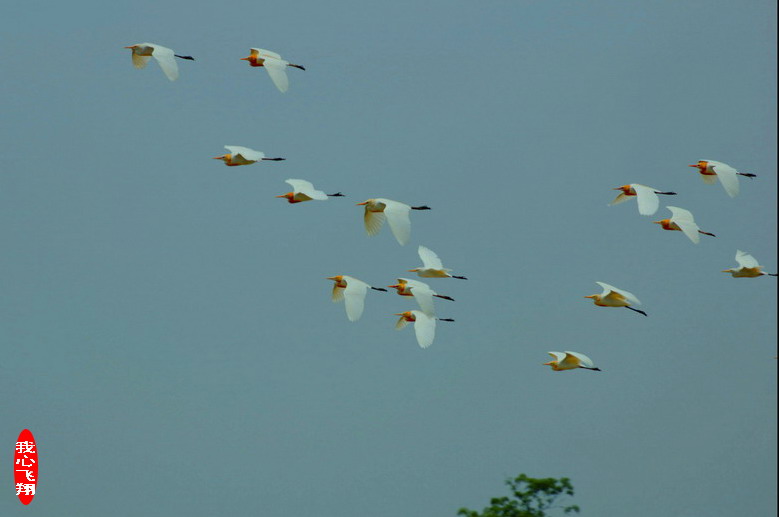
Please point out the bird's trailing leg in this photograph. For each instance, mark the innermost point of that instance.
(444, 297)
(423, 207)
(337, 194)
(460, 277)
(296, 66)
(706, 233)
(444, 319)
(772, 274)
(747, 174)
(666, 193)
(593, 369)
(636, 310)
(274, 159)
(184, 57)
(379, 289)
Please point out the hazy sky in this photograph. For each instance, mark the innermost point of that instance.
(167, 330)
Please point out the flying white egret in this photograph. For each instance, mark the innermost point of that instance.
(570, 361)
(710, 170)
(421, 293)
(432, 266)
(396, 213)
(613, 297)
(682, 220)
(648, 202)
(424, 325)
(164, 56)
(747, 267)
(276, 67)
(303, 190)
(353, 292)
(243, 156)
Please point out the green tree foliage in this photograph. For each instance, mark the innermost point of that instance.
(532, 497)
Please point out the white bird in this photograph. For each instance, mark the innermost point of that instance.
(396, 213)
(613, 297)
(164, 56)
(570, 361)
(648, 202)
(421, 293)
(683, 221)
(243, 156)
(303, 190)
(272, 62)
(424, 325)
(353, 292)
(432, 266)
(710, 170)
(747, 267)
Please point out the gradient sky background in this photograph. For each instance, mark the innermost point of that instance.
(167, 330)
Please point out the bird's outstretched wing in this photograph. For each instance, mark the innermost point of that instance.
(373, 221)
(167, 61)
(244, 154)
(424, 328)
(621, 198)
(397, 215)
(422, 294)
(745, 260)
(684, 220)
(354, 297)
(263, 53)
(401, 323)
(610, 290)
(727, 175)
(648, 202)
(277, 70)
(307, 188)
(140, 61)
(429, 259)
(579, 359)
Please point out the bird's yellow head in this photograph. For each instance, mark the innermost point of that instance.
(701, 165)
(408, 315)
(253, 60)
(336, 278)
(225, 157)
(623, 188)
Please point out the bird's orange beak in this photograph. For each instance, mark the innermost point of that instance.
(657, 222)
(363, 203)
(131, 46)
(394, 286)
(412, 270)
(590, 296)
(283, 195)
(696, 166)
(332, 278)
(218, 157)
(245, 58)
